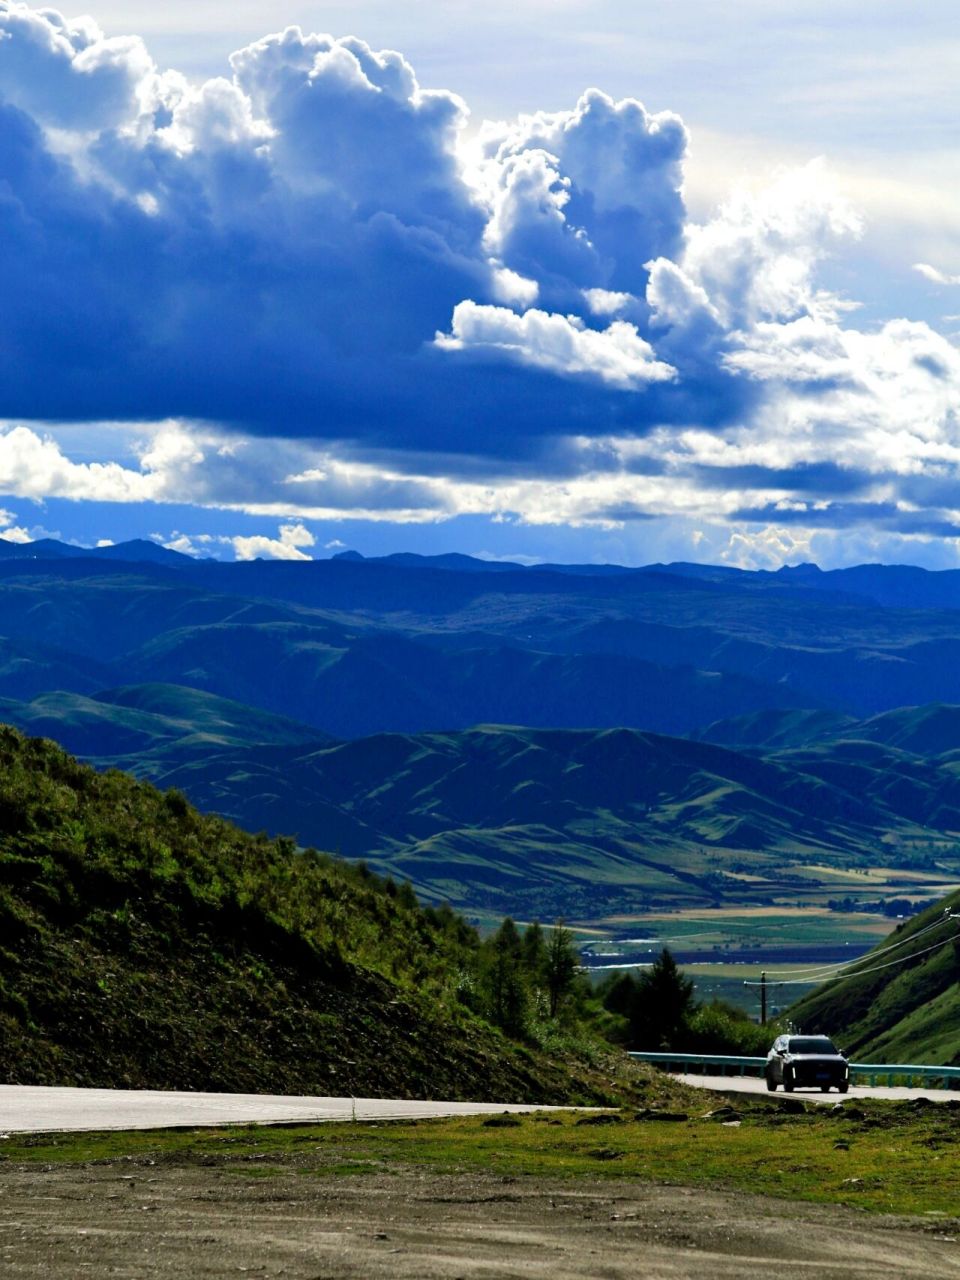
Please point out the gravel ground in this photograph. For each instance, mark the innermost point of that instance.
(138, 1220)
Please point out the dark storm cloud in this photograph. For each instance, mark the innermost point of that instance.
(844, 515)
(279, 251)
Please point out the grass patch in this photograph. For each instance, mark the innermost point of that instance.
(889, 1157)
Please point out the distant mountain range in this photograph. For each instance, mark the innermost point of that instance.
(727, 730)
(137, 550)
(411, 644)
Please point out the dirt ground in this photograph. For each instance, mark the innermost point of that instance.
(140, 1221)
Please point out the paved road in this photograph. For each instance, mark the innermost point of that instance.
(749, 1084)
(34, 1109)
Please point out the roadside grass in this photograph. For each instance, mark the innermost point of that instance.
(884, 1157)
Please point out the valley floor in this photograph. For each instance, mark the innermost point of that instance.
(183, 1220)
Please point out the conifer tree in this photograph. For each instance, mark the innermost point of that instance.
(534, 953)
(508, 992)
(562, 965)
(664, 1000)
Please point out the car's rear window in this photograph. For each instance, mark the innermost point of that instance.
(810, 1044)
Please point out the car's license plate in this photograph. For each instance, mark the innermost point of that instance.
(823, 1075)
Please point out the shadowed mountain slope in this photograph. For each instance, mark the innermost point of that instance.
(382, 681)
(408, 644)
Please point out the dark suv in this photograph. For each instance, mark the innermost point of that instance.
(806, 1062)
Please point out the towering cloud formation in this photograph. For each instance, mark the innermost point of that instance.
(314, 250)
(278, 250)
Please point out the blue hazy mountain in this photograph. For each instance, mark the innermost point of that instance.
(354, 646)
(684, 730)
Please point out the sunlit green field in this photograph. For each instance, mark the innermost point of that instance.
(750, 926)
(736, 984)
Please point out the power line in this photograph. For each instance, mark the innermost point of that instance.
(843, 964)
(860, 973)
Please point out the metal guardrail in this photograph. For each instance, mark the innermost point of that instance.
(683, 1062)
(875, 1072)
(898, 1073)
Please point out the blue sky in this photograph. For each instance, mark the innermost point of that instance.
(562, 280)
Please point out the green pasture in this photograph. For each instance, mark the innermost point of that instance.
(729, 928)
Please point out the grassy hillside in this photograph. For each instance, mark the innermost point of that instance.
(144, 945)
(907, 1011)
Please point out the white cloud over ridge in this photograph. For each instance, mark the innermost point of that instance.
(288, 545)
(523, 323)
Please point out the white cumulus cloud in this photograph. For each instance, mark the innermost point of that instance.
(288, 545)
(935, 275)
(617, 355)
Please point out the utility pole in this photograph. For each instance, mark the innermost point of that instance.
(763, 998)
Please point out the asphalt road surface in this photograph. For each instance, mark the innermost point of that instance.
(751, 1084)
(35, 1109)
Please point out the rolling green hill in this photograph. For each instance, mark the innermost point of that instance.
(908, 1010)
(129, 724)
(929, 730)
(587, 823)
(146, 946)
